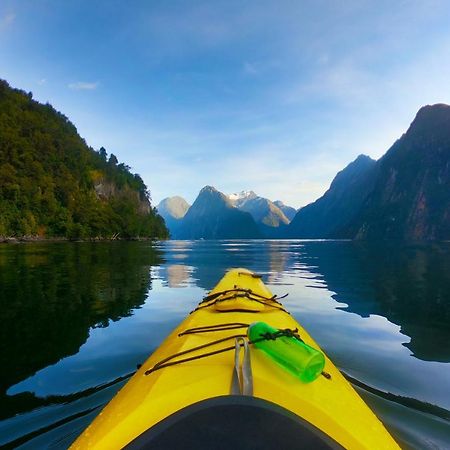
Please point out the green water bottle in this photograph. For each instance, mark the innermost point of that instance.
(300, 359)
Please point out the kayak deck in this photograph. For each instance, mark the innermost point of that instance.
(233, 422)
(329, 404)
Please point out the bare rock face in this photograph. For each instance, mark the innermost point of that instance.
(106, 190)
(144, 205)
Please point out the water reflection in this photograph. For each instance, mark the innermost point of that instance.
(53, 294)
(175, 275)
(208, 260)
(407, 284)
(76, 317)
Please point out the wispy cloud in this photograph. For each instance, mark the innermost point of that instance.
(250, 69)
(209, 88)
(42, 81)
(7, 20)
(83, 86)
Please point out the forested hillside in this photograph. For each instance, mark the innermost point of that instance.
(52, 184)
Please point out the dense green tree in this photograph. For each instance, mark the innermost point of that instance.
(103, 153)
(113, 160)
(53, 184)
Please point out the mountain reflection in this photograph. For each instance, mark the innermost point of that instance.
(409, 284)
(209, 260)
(52, 294)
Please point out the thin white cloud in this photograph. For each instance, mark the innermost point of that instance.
(7, 20)
(317, 90)
(42, 81)
(83, 86)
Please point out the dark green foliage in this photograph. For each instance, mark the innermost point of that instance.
(45, 317)
(53, 184)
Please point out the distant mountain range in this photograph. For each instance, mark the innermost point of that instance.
(263, 211)
(403, 195)
(66, 189)
(215, 215)
(270, 219)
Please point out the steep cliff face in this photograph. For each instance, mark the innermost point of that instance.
(213, 216)
(106, 190)
(411, 195)
(339, 205)
(404, 195)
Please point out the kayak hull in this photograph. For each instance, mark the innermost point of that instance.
(329, 404)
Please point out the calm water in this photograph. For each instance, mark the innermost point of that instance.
(76, 318)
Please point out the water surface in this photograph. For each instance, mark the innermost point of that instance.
(78, 317)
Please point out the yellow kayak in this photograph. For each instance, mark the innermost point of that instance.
(209, 386)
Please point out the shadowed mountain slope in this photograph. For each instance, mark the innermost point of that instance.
(288, 211)
(340, 203)
(212, 216)
(411, 194)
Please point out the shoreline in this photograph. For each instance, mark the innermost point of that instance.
(31, 239)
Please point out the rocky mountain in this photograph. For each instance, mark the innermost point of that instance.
(404, 195)
(213, 216)
(410, 198)
(339, 205)
(264, 212)
(288, 211)
(173, 209)
(238, 198)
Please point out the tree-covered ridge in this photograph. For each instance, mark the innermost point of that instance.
(53, 184)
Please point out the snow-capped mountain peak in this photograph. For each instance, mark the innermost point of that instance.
(241, 196)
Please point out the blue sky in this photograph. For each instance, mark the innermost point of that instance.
(271, 96)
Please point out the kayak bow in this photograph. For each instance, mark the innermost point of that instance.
(197, 391)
